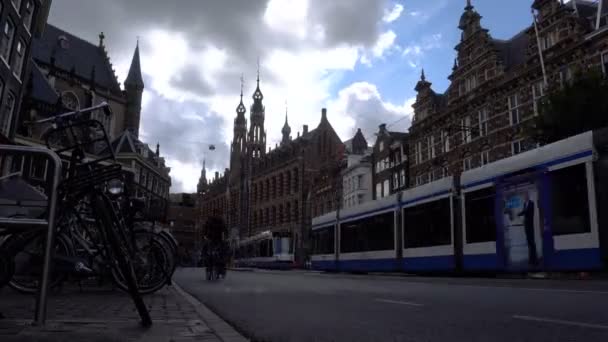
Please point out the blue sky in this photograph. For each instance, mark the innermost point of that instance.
(420, 20)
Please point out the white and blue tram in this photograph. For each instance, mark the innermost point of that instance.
(475, 222)
(273, 250)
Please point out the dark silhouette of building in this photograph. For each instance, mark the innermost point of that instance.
(20, 23)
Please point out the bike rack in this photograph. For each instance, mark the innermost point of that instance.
(21, 224)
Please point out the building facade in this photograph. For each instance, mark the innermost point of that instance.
(21, 21)
(68, 73)
(268, 189)
(497, 87)
(181, 217)
(357, 176)
(390, 162)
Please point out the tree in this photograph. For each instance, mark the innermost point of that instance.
(579, 106)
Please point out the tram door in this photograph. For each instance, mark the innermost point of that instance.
(522, 237)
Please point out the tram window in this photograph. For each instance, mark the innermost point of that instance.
(323, 241)
(480, 219)
(569, 201)
(427, 224)
(375, 233)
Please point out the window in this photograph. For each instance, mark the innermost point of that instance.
(483, 122)
(565, 76)
(402, 176)
(470, 83)
(548, 40)
(381, 146)
(445, 141)
(38, 168)
(323, 240)
(516, 147)
(379, 190)
(18, 60)
(605, 63)
(479, 210)
(513, 103)
(7, 40)
(7, 114)
(432, 147)
(444, 171)
(427, 224)
(465, 129)
(485, 157)
(385, 188)
(28, 15)
(538, 92)
(360, 182)
(395, 180)
(466, 164)
(569, 200)
(375, 233)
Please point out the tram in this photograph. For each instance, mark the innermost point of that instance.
(539, 210)
(272, 250)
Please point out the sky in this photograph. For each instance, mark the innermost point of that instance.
(360, 59)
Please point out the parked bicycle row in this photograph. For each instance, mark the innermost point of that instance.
(99, 229)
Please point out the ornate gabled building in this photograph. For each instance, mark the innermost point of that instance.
(390, 163)
(497, 86)
(271, 189)
(69, 73)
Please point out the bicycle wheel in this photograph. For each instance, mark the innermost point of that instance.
(121, 252)
(152, 264)
(27, 254)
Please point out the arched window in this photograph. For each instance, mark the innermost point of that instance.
(280, 185)
(274, 187)
(288, 185)
(295, 180)
(288, 212)
(70, 100)
(274, 216)
(280, 217)
(296, 211)
(267, 192)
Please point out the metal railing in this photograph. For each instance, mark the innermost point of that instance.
(21, 223)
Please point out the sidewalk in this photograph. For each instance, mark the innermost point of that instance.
(104, 314)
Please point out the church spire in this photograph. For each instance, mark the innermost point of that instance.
(134, 77)
(240, 109)
(286, 129)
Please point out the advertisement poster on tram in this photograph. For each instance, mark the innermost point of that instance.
(522, 237)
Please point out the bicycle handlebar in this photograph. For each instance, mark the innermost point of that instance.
(104, 105)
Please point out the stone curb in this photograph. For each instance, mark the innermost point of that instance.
(223, 330)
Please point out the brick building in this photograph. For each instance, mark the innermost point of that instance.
(21, 21)
(269, 189)
(181, 217)
(497, 86)
(390, 164)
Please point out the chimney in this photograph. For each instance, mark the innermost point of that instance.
(298, 134)
(324, 114)
(217, 175)
(305, 130)
(382, 128)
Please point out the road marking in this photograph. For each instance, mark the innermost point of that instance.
(390, 301)
(531, 289)
(559, 321)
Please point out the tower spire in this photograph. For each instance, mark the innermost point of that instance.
(422, 76)
(469, 6)
(134, 77)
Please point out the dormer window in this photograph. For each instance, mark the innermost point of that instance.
(63, 42)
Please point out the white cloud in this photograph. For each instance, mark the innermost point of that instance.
(392, 15)
(385, 42)
(414, 52)
(360, 105)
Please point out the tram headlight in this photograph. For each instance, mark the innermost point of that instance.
(116, 187)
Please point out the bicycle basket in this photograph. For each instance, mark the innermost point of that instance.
(85, 179)
(88, 135)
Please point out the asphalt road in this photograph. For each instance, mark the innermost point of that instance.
(306, 306)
